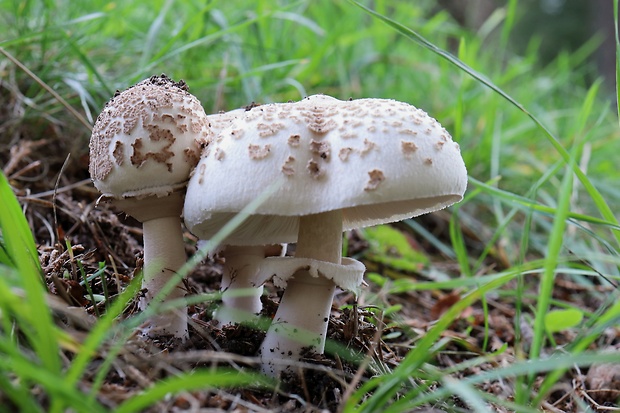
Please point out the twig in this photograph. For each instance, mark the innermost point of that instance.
(304, 385)
(63, 189)
(598, 406)
(62, 169)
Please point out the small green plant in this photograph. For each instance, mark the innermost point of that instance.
(390, 247)
(559, 320)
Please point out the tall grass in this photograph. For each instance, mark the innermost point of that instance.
(536, 140)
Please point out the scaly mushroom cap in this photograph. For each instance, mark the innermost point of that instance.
(147, 139)
(378, 160)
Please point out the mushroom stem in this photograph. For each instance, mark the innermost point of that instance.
(240, 295)
(303, 314)
(164, 255)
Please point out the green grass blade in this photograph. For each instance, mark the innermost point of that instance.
(96, 337)
(30, 371)
(559, 362)
(19, 243)
(159, 58)
(596, 196)
(555, 362)
(529, 204)
(154, 31)
(509, 23)
(458, 243)
(388, 386)
(18, 239)
(609, 317)
(188, 382)
(18, 395)
(68, 396)
(467, 393)
(87, 62)
(556, 239)
(617, 38)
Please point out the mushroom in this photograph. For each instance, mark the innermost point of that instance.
(345, 164)
(143, 146)
(240, 293)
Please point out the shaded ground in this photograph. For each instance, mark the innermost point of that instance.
(75, 236)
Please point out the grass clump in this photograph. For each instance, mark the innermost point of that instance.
(456, 315)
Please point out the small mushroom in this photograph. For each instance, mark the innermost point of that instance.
(240, 291)
(143, 146)
(239, 287)
(379, 180)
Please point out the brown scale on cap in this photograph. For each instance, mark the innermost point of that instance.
(191, 156)
(287, 167)
(253, 114)
(219, 154)
(156, 134)
(320, 125)
(237, 133)
(344, 153)
(182, 128)
(269, 129)
(197, 125)
(293, 140)
(201, 173)
(376, 176)
(368, 146)
(348, 135)
(258, 152)
(321, 149)
(251, 106)
(295, 119)
(318, 118)
(408, 148)
(119, 153)
(166, 82)
(314, 169)
(285, 113)
(353, 123)
(408, 132)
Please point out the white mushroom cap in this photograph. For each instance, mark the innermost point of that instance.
(377, 160)
(147, 139)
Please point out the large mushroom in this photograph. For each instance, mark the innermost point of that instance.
(143, 146)
(345, 164)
